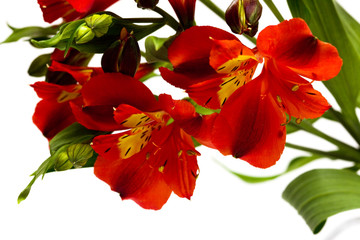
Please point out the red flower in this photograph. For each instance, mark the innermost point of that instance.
(53, 113)
(70, 10)
(152, 158)
(210, 64)
(251, 124)
(185, 11)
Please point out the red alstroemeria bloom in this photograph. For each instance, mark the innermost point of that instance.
(151, 158)
(70, 10)
(210, 64)
(53, 113)
(185, 11)
(251, 124)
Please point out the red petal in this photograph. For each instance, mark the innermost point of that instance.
(113, 89)
(51, 117)
(55, 9)
(99, 118)
(294, 94)
(81, 74)
(194, 45)
(292, 44)
(166, 163)
(57, 93)
(186, 117)
(249, 126)
(179, 162)
(82, 6)
(134, 179)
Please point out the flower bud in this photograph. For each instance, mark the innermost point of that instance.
(84, 34)
(243, 16)
(123, 55)
(147, 3)
(95, 25)
(185, 11)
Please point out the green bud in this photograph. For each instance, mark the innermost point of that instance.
(62, 162)
(79, 154)
(84, 34)
(243, 16)
(99, 24)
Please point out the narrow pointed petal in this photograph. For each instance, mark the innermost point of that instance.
(176, 159)
(250, 126)
(293, 94)
(80, 74)
(292, 44)
(56, 93)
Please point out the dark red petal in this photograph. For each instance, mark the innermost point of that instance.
(113, 89)
(292, 44)
(99, 118)
(195, 44)
(51, 117)
(55, 9)
(80, 74)
(249, 126)
(293, 94)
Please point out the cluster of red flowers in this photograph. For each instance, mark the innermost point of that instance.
(154, 155)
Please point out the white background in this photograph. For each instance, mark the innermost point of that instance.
(76, 205)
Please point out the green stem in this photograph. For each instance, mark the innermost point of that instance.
(214, 8)
(209, 4)
(274, 10)
(329, 154)
(170, 21)
(352, 129)
(306, 126)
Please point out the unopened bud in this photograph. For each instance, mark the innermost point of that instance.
(95, 25)
(147, 3)
(243, 16)
(123, 55)
(84, 35)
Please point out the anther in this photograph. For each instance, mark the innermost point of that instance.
(295, 88)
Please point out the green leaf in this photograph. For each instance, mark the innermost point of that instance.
(321, 193)
(69, 149)
(156, 49)
(330, 23)
(39, 66)
(75, 133)
(293, 165)
(30, 32)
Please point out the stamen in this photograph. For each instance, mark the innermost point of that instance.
(295, 88)
(298, 120)
(147, 156)
(278, 98)
(179, 153)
